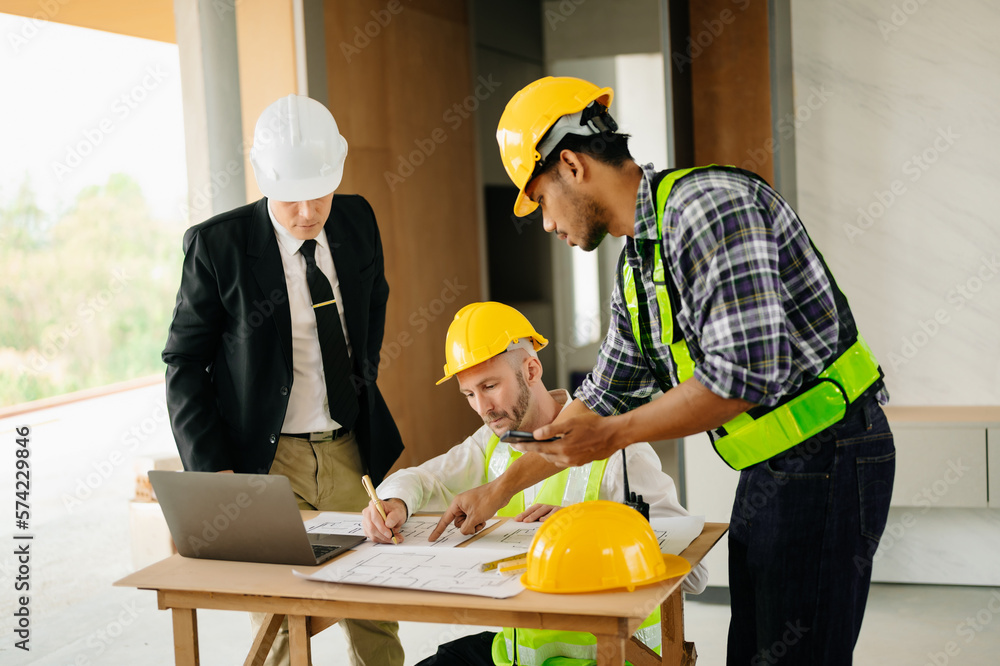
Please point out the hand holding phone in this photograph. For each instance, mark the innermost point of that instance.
(520, 436)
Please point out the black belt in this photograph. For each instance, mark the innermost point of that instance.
(320, 436)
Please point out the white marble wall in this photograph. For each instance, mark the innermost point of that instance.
(898, 112)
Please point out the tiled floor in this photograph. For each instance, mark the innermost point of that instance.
(905, 625)
(909, 625)
(82, 479)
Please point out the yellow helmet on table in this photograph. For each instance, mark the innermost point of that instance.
(481, 331)
(595, 546)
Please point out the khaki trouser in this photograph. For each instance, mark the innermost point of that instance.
(327, 476)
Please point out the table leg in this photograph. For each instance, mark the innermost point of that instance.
(673, 647)
(318, 624)
(264, 639)
(610, 650)
(640, 655)
(299, 649)
(185, 637)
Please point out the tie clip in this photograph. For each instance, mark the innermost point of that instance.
(319, 305)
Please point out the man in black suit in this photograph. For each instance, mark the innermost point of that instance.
(273, 351)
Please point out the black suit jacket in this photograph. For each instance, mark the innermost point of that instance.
(229, 348)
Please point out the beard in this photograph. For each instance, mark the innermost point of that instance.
(594, 219)
(520, 408)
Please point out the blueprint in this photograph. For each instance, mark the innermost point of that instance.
(417, 565)
(509, 535)
(456, 570)
(415, 531)
(677, 532)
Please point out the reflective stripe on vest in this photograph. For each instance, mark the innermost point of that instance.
(534, 646)
(748, 440)
(570, 486)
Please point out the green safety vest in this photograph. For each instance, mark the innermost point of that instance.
(748, 440)
(570, 486)
(534, 646)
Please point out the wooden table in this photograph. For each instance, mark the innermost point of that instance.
(185, 585)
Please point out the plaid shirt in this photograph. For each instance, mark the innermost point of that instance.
(757, 309)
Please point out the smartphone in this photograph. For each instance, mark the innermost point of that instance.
(519, 436)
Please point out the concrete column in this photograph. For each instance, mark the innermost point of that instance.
(206, 40)
(779, 15)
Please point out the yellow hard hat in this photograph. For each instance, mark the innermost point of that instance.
(594, 546)
(529, 115)
(480, 331)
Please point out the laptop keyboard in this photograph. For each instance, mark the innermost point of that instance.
(320, 551)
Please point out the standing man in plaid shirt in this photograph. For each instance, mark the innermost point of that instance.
(723, 303)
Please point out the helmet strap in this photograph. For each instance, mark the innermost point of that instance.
(592, 120)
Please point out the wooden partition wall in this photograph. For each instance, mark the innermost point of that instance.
(722, 84)
(401, 89)
(265, 41)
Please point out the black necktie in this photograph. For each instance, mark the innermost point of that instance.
(336, 363)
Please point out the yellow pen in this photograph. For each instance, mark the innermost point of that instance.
(491, 566)
(513, 566)
(370, 489)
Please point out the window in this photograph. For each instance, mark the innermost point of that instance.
(91, 207)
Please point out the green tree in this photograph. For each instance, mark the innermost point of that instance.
(87, 297)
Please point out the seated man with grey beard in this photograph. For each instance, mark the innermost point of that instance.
(491, 349)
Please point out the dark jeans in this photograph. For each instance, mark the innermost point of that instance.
(475, 650)
(804, 529)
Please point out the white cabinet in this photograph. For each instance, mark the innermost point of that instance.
(947, 479)
(940, 530)
(993, 454)
(940, 466)
(710, 486)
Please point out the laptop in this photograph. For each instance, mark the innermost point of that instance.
(242, 517)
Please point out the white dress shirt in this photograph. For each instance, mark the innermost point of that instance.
(307, 403)
(432, 485)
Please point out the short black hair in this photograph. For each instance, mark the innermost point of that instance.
(611, 148)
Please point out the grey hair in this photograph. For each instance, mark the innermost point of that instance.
(515, 357)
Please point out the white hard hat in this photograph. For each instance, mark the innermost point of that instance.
(298, 153)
